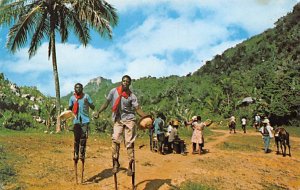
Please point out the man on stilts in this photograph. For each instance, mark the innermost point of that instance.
(124, 106)
(80, 103)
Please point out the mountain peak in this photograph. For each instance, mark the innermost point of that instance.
(99, 80)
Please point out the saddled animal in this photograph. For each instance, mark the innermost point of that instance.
(282, 137)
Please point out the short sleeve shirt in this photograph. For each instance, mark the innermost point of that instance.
(243, 121)
(83, 110)
(127, 107)
(158, 125)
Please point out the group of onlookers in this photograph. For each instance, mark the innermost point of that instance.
(165, 138)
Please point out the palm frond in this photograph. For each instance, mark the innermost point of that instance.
(11, 10)
(80, 27)
(63, 29)
(17, 36)
(100, 15)
(40, 32)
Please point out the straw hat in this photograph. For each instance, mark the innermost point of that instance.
(175, 123)
(145, 122)
(68, 114)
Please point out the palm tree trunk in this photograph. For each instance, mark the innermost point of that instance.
(56, 79)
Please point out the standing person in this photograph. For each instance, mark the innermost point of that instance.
(232, 124)
(244, 122)
(257, 122)
(197, 137)
(169, 129)
(80, 103)
(266, 131)
(159, 124)
(124, 106)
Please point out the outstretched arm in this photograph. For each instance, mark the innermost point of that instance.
(140, 112)
(186, 123)
(102, 108)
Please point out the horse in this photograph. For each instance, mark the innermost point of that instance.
(282, 137)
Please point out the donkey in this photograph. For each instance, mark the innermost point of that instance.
(282, 137)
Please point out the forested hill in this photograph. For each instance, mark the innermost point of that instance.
(265, 67)
(260, 75)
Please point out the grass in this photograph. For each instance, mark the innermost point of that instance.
(294, 131)
(238, 143)
(7, 172)
(195, 186)
(269, 186)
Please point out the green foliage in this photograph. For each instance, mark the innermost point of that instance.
(17, 121)
(195, 186)
(7, 172)
(265, 67)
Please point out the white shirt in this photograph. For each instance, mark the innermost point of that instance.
(269, 129)
(243, 121)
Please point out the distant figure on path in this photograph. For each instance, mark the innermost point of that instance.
(257, 122)
(232, 124)
(244, 123)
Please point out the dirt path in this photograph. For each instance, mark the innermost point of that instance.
(45, 162)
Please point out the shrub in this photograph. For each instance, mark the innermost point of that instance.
(17, 121)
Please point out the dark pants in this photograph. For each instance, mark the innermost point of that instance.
(161, 140)
(178, 146)
(244, 128)
(80, 137)
(151, 139)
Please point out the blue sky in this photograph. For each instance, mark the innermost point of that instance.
(154, 37)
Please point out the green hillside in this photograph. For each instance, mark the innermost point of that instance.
(259, 75)
(23, 107)
(264, 68)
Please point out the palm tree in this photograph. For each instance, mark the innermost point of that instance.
(42, 20)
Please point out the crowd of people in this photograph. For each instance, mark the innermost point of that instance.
(164, 138)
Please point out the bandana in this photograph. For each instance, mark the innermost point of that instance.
(76, 105)
(118, 100)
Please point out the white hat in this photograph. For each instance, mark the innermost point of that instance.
(266, 121)
(194, 118)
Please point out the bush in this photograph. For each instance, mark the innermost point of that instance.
(17, 121)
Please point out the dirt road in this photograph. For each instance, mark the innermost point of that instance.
(45, 162)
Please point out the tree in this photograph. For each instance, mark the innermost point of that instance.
(44, 19)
